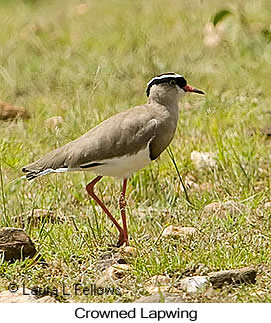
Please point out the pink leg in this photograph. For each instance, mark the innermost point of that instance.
(90, 190)
(122, 205)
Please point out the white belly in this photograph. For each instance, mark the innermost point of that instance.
(116, 167)
(123, 166)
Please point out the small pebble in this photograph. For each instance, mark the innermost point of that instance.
(193, 284)
(174, 231)
(203, 159)
(157, 283)
(114, 273)
(10, 112)
(54, 122)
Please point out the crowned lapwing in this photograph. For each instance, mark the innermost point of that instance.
(122, 144)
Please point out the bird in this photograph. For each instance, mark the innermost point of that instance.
(122, 144)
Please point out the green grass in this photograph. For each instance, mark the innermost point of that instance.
(88, 67)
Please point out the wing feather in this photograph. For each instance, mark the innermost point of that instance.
(123, 134)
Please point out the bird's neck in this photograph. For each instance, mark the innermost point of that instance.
(170, 103)
(160, 98)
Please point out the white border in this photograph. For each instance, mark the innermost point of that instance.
(206, 313)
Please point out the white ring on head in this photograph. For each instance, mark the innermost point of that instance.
(163, 77)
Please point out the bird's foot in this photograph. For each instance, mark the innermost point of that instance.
(123, 239)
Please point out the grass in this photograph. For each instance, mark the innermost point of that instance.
(56, 60)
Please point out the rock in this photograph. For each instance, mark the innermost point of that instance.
(114, 273)
(194, 283)
(54, 122)
(15, 244)
(236, 276)
(212, 207)
(161, 298)
(119, 256)
(109, 259)
(218, 279)
(9, 112)
(18, 296)
(221, 208)
(175, 231)
(23, 295)
(192, 185)
(157, 283)
(203, 159)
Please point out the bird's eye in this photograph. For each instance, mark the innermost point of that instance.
(172, 82)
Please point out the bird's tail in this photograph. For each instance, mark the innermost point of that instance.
(53, 162)
(32, 174)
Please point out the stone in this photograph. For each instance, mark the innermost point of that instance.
(221, 208)
(15, 244)
(235, 276)
(18, 296)
(10, 112)
(54, 122)
(217, 279)
(23, 295)
(175, 231)
(109, 259)
(194, 284)
(212, 207)
(116, 257)
(203, 160)
(192, 185)
(157, 283)
(114, 273)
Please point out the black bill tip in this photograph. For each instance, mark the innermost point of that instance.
(189, 88)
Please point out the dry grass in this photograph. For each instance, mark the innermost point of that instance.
(87, 62)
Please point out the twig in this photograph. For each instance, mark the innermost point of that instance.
(171, 155)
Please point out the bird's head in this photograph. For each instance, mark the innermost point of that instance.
(169, 87)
